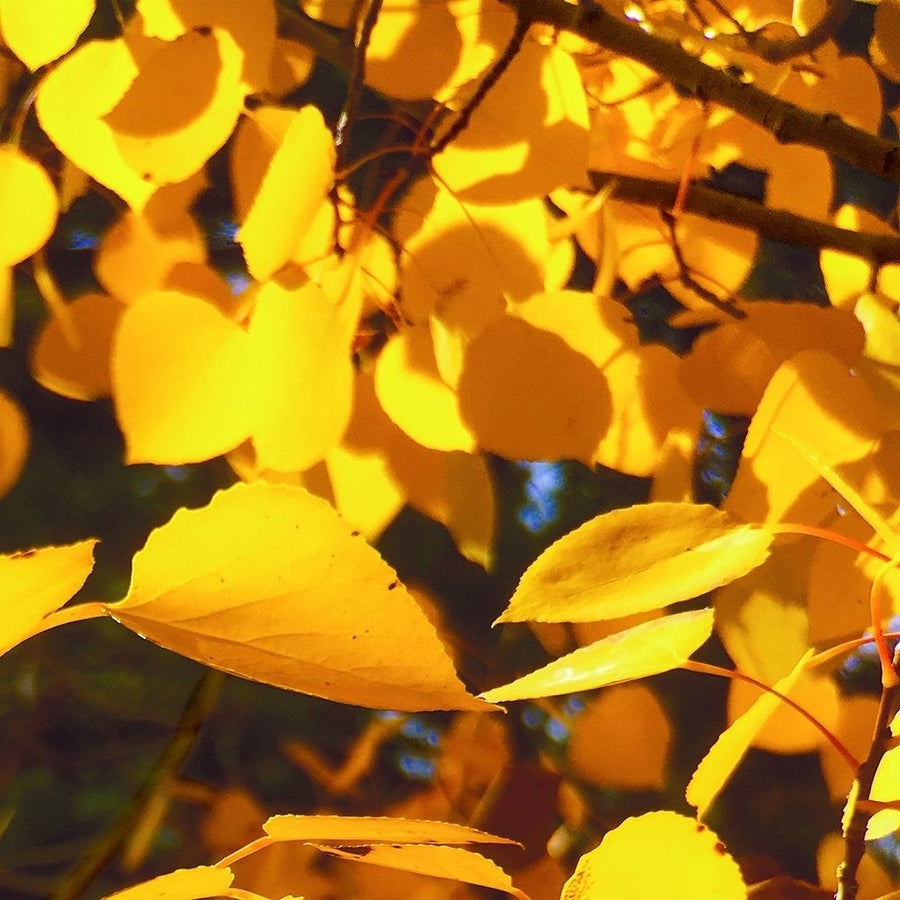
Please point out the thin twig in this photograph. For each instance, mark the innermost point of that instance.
(198, 706)
(460, 123)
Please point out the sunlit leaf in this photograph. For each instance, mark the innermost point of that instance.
(525, 394)
(40, 32)
(78, 366)
(412, 393)
(14, 441)
(621, 741)
(35, 583)
(687, 861)
(885, 787)
(646, 649)
(294, 187)
(299, 360)
(29, 198)
(528, 136)
(629, 560)
(726, 753)
(183, 884)
(454, 863)
(269, 583)
(349, 831)
(180, 374)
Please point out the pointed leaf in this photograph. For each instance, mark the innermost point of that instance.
(183, 884)
(267, 582)
(454, 863)
(723, 758)
(345, 831)
(687, 861)
(35, 583)
(631, 560)
(647, 649)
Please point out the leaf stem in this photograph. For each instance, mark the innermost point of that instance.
(247, 850)
(202, 699)
(707, 669)
(826, 535)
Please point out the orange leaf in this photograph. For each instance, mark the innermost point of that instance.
(269, 583)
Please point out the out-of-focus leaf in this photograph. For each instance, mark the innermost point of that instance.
(630, 560)
(302, 376)
(727, 752)
(183, 884)
(14, 441)
(269, 583)
(621, 741)
(79, 370)
(350, 831)
(35, 583)
(40, 32)
(687, 862)
(29, 198)
(646, 649)
(454, 863)
(180, 374)
(295, 185)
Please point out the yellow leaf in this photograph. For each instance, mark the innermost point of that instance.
(526, 394)
(72, 100)
(885, 787)
(621, 741)
(630, 560)
(726, 753)
(35, 583)
(80, 371)
(687, 862)
(183, 884)
(294, 187)
(454, 863)
(528, 136)
(181, 107)
(411, 391)
(299, 360)
(40, 32)
(349, 831)
(29, 198)
(269, 583)
(180, 372)
(14, 441)
(646, 649)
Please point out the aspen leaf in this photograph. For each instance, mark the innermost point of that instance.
(295, 185)
(35, 583)
(886, 788)
(14, 441)
(180, 371)
(687, 861)
(38, 33)
(635, 559)
(299, 361)
(81, 370)
(349, 831)
(646, 649)
(454, 863)
(267, 582)
(726, 753)
(29, 198)
(182, 884)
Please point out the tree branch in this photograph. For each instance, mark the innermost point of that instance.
(790, 124)
(776, 224)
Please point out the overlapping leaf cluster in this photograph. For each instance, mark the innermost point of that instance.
(381, 347)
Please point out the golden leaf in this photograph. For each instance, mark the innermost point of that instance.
(38, 33)
(688, 861)
(267, 582)
(646, 649)
(630, 560)
(14, 441)
(182, 884)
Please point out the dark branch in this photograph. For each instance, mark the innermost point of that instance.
(789, 123)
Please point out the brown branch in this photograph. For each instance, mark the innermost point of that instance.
(778, 51)
(789, 123)
(776, 224)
